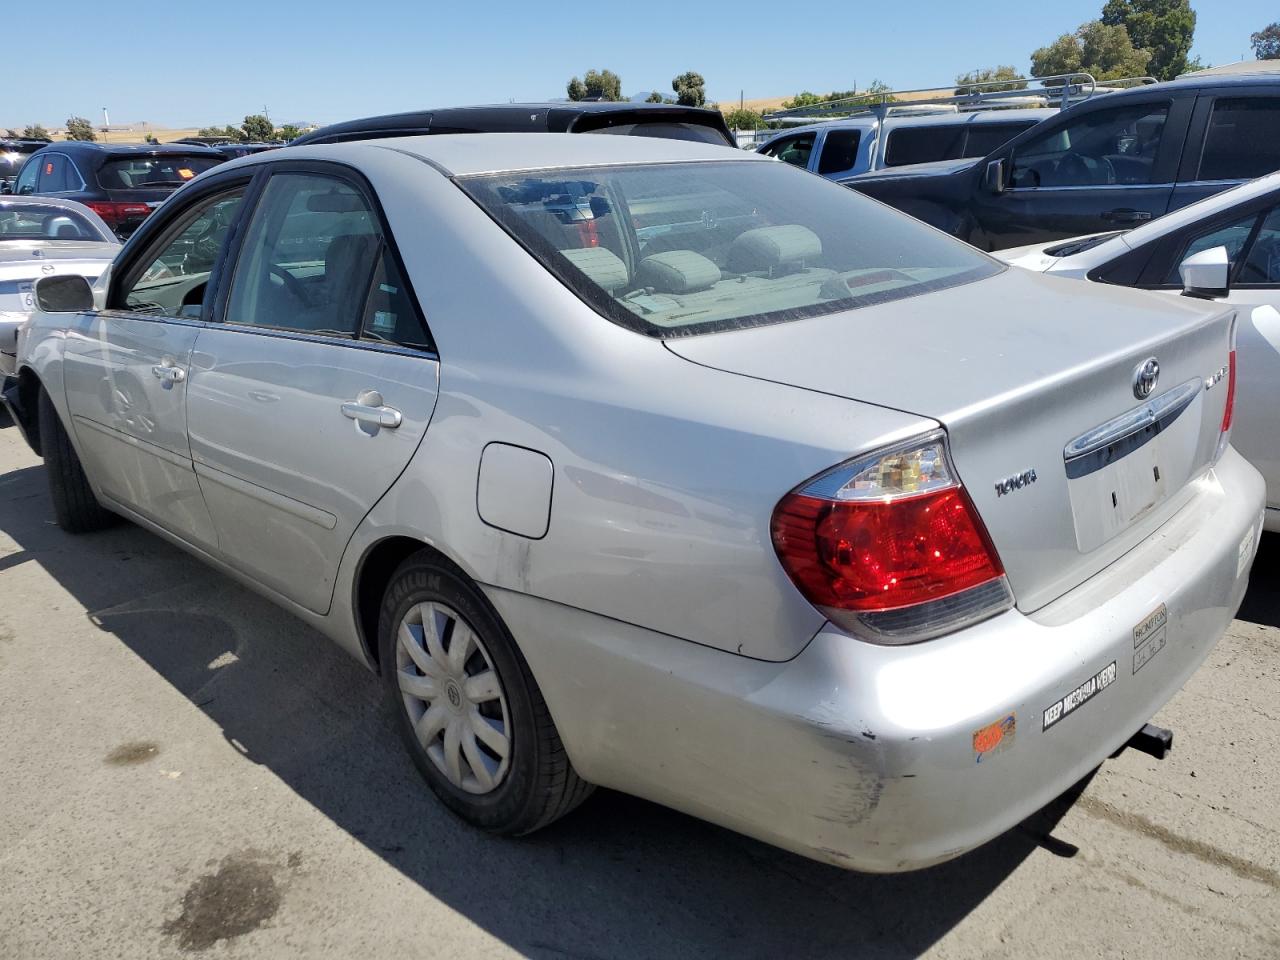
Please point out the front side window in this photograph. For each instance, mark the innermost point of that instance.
(314, 261)
(1241, 142)
(1262, 268)
(1099, 148)
(176, 275)
(839, 151)
(1233, 236)
(27, 178)
(681, 248)
(793, 150)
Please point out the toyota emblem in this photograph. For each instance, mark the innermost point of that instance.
(1144, 378)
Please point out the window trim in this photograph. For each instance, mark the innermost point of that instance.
(267, 169)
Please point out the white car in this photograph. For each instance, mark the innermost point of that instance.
(1245, 223)
(44, 237)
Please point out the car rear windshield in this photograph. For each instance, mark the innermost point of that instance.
(30, 221)
(685, 248)
(146, 173)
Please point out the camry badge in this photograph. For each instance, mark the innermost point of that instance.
(1016, 482)
(1145, 376)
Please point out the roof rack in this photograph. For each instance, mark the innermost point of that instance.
(1060, 90)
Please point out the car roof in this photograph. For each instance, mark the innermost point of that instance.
(869, 122)
(129, 149)
(472, 153)
(510, 117)
(1190, 82)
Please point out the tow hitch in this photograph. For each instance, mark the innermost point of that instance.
(1153, 740)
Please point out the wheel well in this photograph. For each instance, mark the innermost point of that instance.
(375, 572)
(29, 407)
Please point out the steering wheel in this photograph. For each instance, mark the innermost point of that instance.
(291, 283)
(1073, 171)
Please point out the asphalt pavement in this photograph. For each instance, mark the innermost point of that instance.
(186, 768)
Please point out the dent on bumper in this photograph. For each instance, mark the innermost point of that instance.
(866, 756)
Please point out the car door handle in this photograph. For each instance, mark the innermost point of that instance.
(168, 374)
(1126, 216)
(369, 408)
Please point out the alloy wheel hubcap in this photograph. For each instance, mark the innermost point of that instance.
(454, 698)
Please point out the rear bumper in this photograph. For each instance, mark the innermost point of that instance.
(866, 756)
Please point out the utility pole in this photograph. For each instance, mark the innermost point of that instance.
(106, 120)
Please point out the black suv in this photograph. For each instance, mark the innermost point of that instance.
(122, 183)
(635, 119)
(1108, 163)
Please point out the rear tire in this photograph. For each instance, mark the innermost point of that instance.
(74, 505)
(513, 777)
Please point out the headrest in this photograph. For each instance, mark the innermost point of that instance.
(602, 266)
(677, 271)
(767, 247)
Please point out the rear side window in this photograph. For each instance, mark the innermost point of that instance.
(143, 173)
(1243, 139)
(986, 137)
(57, 175)
(923, 144)
(314, 260)
(839, 151)
(1263, 265)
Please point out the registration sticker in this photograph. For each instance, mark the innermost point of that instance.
(1081, 695)
(994, 737)
(1149, 637)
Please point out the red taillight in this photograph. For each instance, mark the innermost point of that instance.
(890, 537)
(1231, 392)
(116, 213)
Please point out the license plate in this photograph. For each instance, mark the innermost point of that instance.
(1111, 498)
(27, 293)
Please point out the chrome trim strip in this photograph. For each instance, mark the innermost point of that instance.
(1118, 437)
(168, 456)
(278, 501)
(1095, 186)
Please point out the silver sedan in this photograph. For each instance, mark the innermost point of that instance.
(663, 467)
(42, 237)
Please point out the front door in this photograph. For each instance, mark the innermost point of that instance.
(126, 371)
(1102, 169)
(310, 397)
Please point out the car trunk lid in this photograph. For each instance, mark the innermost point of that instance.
(1018, 369)
(21, 268)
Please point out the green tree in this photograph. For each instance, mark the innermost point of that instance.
(78, 128)
(210, 132)
(36, 131)
(596, 85)
(1266, 42)
(576, 89)
(989, 75)
(288, 132)
(804, 98)
(690, 89)
(1096, 48)
(1164, 27)
(256, 127)
(150, 138)
(744, 120)
(654, 97)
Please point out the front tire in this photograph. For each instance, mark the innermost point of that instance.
(471, 715)
(75, 506)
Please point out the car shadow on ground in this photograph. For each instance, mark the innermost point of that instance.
(618, 878)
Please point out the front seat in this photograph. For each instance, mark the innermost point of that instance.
(348, 267)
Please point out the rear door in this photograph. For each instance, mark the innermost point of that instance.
(126, 369)
(1234, 139)
(309, 397)
(1099, 169)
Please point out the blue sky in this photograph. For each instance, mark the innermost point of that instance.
(202, 63)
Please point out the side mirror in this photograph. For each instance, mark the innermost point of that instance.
(69, 294)
(993, 178)
(1205, 275)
